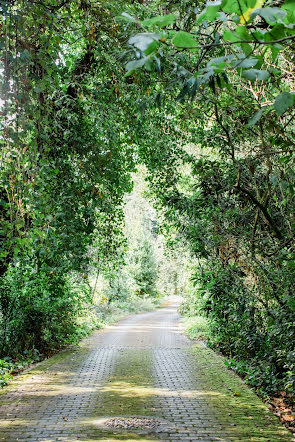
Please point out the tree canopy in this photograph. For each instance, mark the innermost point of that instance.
(201, 94)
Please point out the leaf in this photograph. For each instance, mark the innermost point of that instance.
(210, 12)
(289, 5)
(255, 118)
(239, 6)
(149, 64)
(158, 64)
(221, 16)
(160, 21)
(274, 52)
(245, 17)
(184, 91)
(243, 33)
(230, 36)
(209, 72)
(272, 16)
(127, 17)
(135, 64)
(151, 48)
(220, 60)
(143, 41)
(184, 40)
(255, 74)
(246, 63)
(240, 33)
(283, 101)
(274, 179)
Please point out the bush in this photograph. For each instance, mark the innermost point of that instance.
(197, 327)
(254, 329)
(39, 310)
(5, 372)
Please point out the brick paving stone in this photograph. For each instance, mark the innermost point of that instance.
(189, 386)
(143, 366)
(54, 400)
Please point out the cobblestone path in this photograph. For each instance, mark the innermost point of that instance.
(140, 379)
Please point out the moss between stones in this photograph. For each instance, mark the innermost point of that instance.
(236, 406)
(128, 392)
(62, 363)
(112, 437)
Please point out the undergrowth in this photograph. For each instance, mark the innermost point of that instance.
(197, 327)
(258, 374)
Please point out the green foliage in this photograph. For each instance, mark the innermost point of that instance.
(5, 372)
(10, 367)
(239, 34)
(117, 285)
(184, 40)
(197, 327)
(207, 106)
(138, 273)
(283, 102)
(64, 169)
(254, 332)
(261, 376)
(218, 141)
(38, 310)
(143, 267)
(173, 273)
(112, 312)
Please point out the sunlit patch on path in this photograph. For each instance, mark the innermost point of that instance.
(141, 379)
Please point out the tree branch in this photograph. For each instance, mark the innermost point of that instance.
(232, 43)
(263, 209)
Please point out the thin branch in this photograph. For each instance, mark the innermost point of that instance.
(263, 209)
(225, 129)
(230, 43)
(286, 243)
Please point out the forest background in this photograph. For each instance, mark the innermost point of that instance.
(199, 99)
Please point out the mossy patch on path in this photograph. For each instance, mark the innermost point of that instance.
(128, 392)
(139, 380)
(237, 407)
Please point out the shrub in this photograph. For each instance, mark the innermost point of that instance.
(39, 309)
